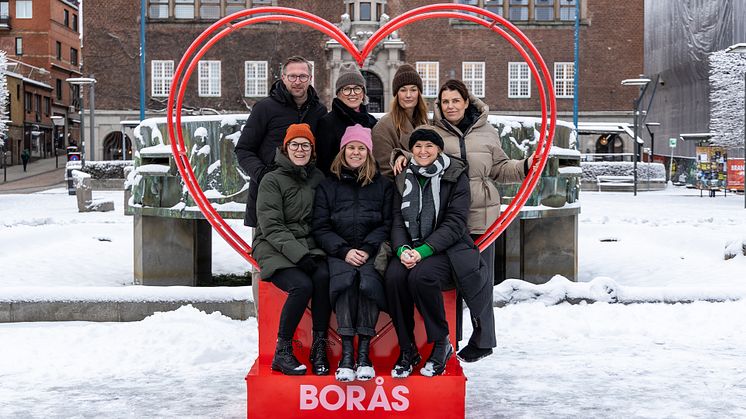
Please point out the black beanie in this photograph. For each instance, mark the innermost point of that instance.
(426, 134)
(406, 75)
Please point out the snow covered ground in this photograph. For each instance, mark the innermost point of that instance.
(588, 360)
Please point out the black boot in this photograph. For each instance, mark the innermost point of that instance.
(436, 363)
(408, 359)
(346, 370)
(364, 371)
(285, 361)
(319, 360)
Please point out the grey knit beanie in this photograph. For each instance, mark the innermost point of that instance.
(349, 74)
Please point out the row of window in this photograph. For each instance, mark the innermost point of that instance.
(201, 9)
(256, 78)
(33, 103)
(58, 51)
(513, 10)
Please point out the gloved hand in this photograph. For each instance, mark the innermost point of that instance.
(307, 265)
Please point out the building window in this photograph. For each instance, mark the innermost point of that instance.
(66, 18)
(58, 50)
(256, 78)
(158, 9)
(184, 9)
(24, 9)
(58, 89)
(535, 11)
(519, 80)
(365, 11)
(472, 74)
(73, 56)
(19, 46)
(27, 101)
(209, 9)
(37, 103)
(209, 78)
(429, 71)
(564, 79)
(47, 106)
(4, 12)
(162, 71)
(75, 23)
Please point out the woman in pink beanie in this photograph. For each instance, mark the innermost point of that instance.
(351, 222)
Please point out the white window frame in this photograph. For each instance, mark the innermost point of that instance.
(209, 78)
(519, 80)
(256, 86)
(475, 83)
(161, 74)
(564, 85)
(184, 9)
(24, 9)
(430, 73)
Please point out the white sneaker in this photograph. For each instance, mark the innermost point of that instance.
(365, 373)
(344, 375)
(428, 370)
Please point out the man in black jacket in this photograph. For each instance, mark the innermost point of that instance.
(291, 100)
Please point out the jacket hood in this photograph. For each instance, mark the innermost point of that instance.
(280, 93)
(484, 110)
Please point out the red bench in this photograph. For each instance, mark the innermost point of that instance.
(274, 395)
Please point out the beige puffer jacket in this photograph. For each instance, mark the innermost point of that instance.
(386, 139)
(487, 161)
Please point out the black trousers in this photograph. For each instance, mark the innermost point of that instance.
(301, 288)
(422, 287)
(483, 324)
(356, 313)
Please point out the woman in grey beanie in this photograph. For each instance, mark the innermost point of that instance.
(347, 110)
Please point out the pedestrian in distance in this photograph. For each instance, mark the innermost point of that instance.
(25, 157)
(352, 220)
(348, 109)
(286, 251)
(408, 111)
(435, 251)
(291, 100)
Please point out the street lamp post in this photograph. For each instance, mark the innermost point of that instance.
(741, 49)
(81, 81)
(643, 83)
(652, 146)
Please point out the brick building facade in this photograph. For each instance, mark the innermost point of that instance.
(42, 42)
(611, 49)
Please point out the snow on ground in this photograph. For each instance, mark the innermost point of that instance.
(599, 360)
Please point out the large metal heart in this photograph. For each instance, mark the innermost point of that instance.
(228, 24)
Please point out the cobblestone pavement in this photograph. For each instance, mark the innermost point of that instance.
(39, 175)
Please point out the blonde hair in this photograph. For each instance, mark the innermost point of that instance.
(365, 173)
(399, 115)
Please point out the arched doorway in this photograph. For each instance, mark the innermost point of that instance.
(610, 144)
(113, 146)
(374, 87)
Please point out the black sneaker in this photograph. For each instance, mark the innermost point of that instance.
(471, 353)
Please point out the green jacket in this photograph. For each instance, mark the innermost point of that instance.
(284, 206)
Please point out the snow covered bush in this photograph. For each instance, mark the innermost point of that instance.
(3, 97)
(106, 169)
(591, 170)
(726, 98)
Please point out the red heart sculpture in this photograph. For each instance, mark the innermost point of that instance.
(444, 10)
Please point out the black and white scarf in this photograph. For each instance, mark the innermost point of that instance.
(420, 204)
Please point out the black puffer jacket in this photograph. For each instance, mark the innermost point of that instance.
(331, 128)
(451, 236)
(264, 132)
(350, 216)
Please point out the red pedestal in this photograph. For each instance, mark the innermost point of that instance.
(272, 394)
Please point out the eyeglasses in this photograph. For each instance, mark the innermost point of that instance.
(292, 78)
(293, 146)
(349, 90)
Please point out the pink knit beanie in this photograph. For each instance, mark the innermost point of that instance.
(357, 132)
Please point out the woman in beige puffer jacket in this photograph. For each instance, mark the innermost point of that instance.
(461, 119)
